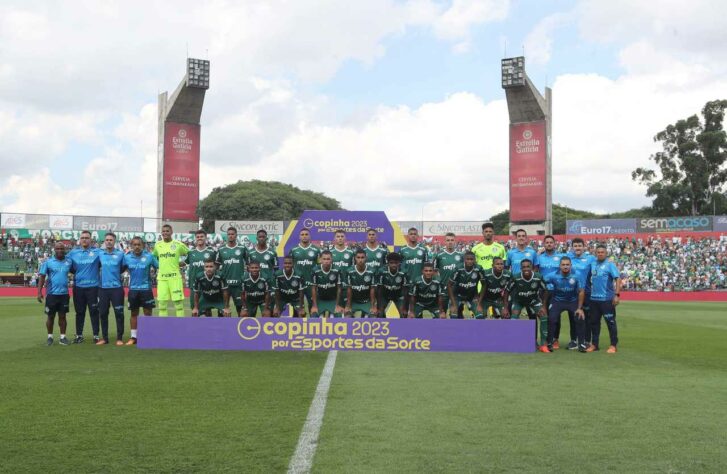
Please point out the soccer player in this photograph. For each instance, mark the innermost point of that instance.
(413, 256)
(268, 261)
(494, 284)
(446, 263)
(375, 252)
(86, 267)
(564, 292)
(425, 294)
(170, 285)
(462, 289)
(488, 249)
(523, 292)
(581, 262)
(139, 263)
(392, 285)
(289, 288)
(195, 261)
(55, 271)
(520, 252)
(326, 288)
(360, 288)
(605, 292)
(210, 292)
(112, 291)
(231, 259)
(255, 292)
(305, 258)
(342, 255)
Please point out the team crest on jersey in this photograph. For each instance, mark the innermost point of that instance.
(420, 253)
(237, 252)
(379, 255)
(433, 287)
(143, 259)
(572, 281)
(311, 253)
(397, 279)
(294, 284)
(261, 285)
(367, 278)
(173, 247)
(266, 257)
(457, 258)
(207, 255)
(91, 254)
(332, 277)
(215, 283)
(115, 257)
(474, 276)
(533, 285)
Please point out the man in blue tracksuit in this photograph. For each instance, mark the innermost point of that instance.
(565, 292)
(86, 267)
(605, 292)
(581, 266)
(112, 291)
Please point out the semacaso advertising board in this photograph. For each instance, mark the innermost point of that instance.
(674, 224)
(601, 226)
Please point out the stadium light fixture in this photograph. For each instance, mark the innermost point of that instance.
(513, 72)
(198, 73)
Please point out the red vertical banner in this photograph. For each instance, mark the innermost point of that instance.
(528, 168)
(181, 171)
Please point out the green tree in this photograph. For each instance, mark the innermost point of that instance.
(691, 174)
(260, 200)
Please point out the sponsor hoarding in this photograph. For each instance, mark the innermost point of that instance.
(181, 171)
(113, 224)
(674, 224)
(720, 223)
(57, 222)
(251, 227)
(528, 168)
(293, 334)
(404, 226)
(459, 228)
(601, 226)
(12, 221)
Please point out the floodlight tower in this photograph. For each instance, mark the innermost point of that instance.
(178, 148)
(531, 200)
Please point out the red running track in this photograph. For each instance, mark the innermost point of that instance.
(720, 296)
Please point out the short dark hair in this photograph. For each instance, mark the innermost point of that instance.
(167, 225)
(470, 253)
(578, 240)
(371, 229)
(450, 234)
(200, 231)
(414, 229)
(253, 262)
(209, 260)
(339, 231)
(326, 252)
(548, 237)
(525, 260)
(359, 251)
(523, 231)
(288, 257)
(304, 229)
(231, 228)
(86, 232)
(500, 258)
(110, 234)
(136, 237)
(565, 258)
(488, 225)
(262, 231)
(393, 257)
(427, 265)
(602, 246)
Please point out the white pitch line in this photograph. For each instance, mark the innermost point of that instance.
(302, 459)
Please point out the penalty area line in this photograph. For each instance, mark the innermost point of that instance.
(305, 451)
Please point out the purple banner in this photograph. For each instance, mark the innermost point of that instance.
(346, 334)
(324, 224)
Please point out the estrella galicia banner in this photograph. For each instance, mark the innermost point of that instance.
(345, 334)
(528, 168)
(674, 224)
(601, 226)
(180, 171)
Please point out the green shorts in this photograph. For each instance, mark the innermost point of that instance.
(294, 307)
(170, 290)
(531, 308)
(236, 296)
(206, 307)
(419, 311)
(496, 309)
(363, 308)
(471, 304)
(254, 308)
(384, 303)
(326, 306)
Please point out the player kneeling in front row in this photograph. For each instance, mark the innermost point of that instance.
(210, 292)
(494, 284)
(462, 289)
(565, 292)
(139, 263)
(524, 292)
(288, 289)
(56, 271)
(255, 293)
(426, 295)
(326, 288)
(392, 286)
(360, 288)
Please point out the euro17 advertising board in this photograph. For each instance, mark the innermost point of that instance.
(528, 172)
(181, 171)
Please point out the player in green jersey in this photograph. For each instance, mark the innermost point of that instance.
(375, 252)
(361, 288)
(288, 288)
(267, 259)
(462, 289)
(525, 290)
(392, 285)
(305, 258)
(195, 261)
(232, 259)
(342, 259)
(445, 264)
(488, 249)
(413, 256)
(170, 285)
(326, 291)
(494, 284)
(425, 294)
(210, 292)
(255, 292)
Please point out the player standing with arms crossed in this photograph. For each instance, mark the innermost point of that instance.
(170, 285)
(139, 263)
(55, 272)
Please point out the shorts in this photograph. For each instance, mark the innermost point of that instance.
(294, 307)
(531, 308)
(363, 308)
(141, 299)
(326, 306)
(471, 304)
(384, 303)
(56, 304)
(236, 296)
(419, 311)
(170, 290)
(254, 308)
(496, 309)
(206, 307)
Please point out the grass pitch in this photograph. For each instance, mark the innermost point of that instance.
(656, 406)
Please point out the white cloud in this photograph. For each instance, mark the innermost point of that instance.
(456, 22)
(539, 42)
